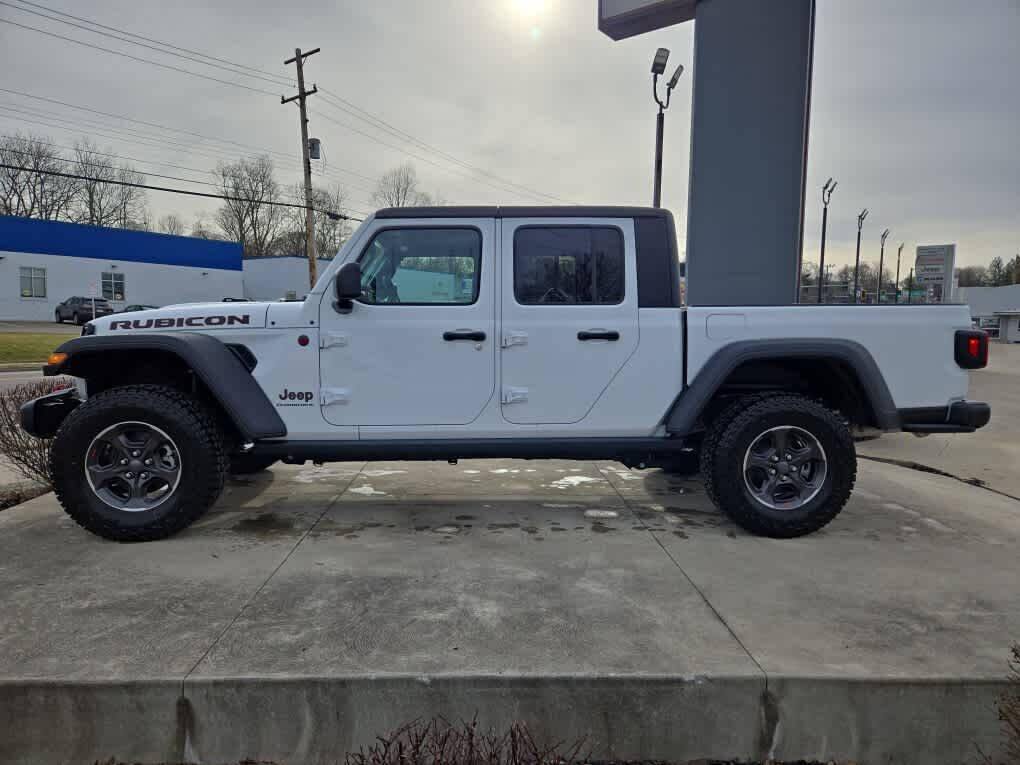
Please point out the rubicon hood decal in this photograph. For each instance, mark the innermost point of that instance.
(215, 320)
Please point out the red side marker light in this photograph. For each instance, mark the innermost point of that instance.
(302, 340)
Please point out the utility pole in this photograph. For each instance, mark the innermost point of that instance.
(910, 286)
(897, 286)
(857, 262)
(827, 190)
(302, 94)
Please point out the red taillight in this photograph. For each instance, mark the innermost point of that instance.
(971, 348)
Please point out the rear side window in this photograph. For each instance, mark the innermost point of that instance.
(568, 265)
(422, 266)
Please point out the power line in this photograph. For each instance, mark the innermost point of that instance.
(133, 42)
(256, 70)
(139, 58)
(153, 142)
(227, 197)
(334, 100)
(249, 147)
(353, 109)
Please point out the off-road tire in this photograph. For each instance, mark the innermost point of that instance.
(732, 433)
(187, 421)
(244, 464)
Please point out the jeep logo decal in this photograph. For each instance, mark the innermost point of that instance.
(181, 321)
(295, 398)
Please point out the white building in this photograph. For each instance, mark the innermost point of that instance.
(45, 262)
(276, 277)
(995, 309)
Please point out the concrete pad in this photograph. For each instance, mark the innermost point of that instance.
(315, 608)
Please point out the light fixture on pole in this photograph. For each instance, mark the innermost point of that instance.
(659, 68)
(881, 260)
(827, 190)
(857, 262)
(896, 286)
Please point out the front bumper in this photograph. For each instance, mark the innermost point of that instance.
(41, 416)
(958, 417)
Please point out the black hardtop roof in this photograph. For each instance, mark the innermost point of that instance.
(493, 211)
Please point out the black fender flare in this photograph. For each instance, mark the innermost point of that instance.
(220, 370)
(688, 406)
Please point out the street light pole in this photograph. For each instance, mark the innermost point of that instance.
(896, 286)
(910, 286)
(827, 190)
(857, 262)
(881, 260)
(658, 68)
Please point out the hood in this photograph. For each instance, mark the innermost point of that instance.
(189, 317)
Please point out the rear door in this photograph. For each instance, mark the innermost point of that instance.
(569, 318)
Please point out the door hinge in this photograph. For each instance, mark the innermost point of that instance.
(329, 339)
(514, 395)
(332, 396)
(514, 338)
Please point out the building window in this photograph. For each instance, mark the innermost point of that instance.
(568, 265)
(113, 286)
(33, 282)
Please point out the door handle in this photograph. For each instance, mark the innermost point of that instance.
(598, 334)
(464, 334)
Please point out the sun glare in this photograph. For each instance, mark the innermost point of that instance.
(529, 7)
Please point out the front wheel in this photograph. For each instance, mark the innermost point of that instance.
(76, 318)
(782, 466)
(138, 463)
(56, 317)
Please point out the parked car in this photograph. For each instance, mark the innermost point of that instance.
(79, 309)
(137, 307)
(528, 332)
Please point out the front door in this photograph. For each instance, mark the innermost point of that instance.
(418, 347)
(569, 315)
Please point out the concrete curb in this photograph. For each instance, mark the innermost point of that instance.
(13, 367)
(298, 720)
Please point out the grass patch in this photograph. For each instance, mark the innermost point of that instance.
(30, 347)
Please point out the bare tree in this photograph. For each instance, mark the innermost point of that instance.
(25, 188)
(96, 200)
(170, 224)
(130, 201)
(201, 229)
(331, 231)
(251, 218)
(399, 188)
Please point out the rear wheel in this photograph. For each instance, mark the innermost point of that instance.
(56, 317)
(76, 318)
(138, 463)
(781, 466)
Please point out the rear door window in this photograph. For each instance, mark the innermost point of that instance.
(568, 265)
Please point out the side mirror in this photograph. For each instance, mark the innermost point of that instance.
(347, 286)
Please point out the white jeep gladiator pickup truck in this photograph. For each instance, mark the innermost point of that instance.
(528, 332)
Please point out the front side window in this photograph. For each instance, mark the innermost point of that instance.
(422, 266)
(568, 265)
(33, 282)
(113, 286)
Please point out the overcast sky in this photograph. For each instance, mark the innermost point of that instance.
(916, 104)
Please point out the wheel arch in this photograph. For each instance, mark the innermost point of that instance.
(840, 372)
(173, 359)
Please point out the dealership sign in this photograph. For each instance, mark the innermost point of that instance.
(934, 266)
(626, 18)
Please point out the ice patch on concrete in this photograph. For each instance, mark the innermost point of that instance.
(367, 491)
(505, 470)
(559, 505)
(601, 514)
(938, 526)
(472, 472)
(378, 473)
(570, 481)
(315, 475)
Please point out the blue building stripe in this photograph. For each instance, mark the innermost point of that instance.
(80, 241)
